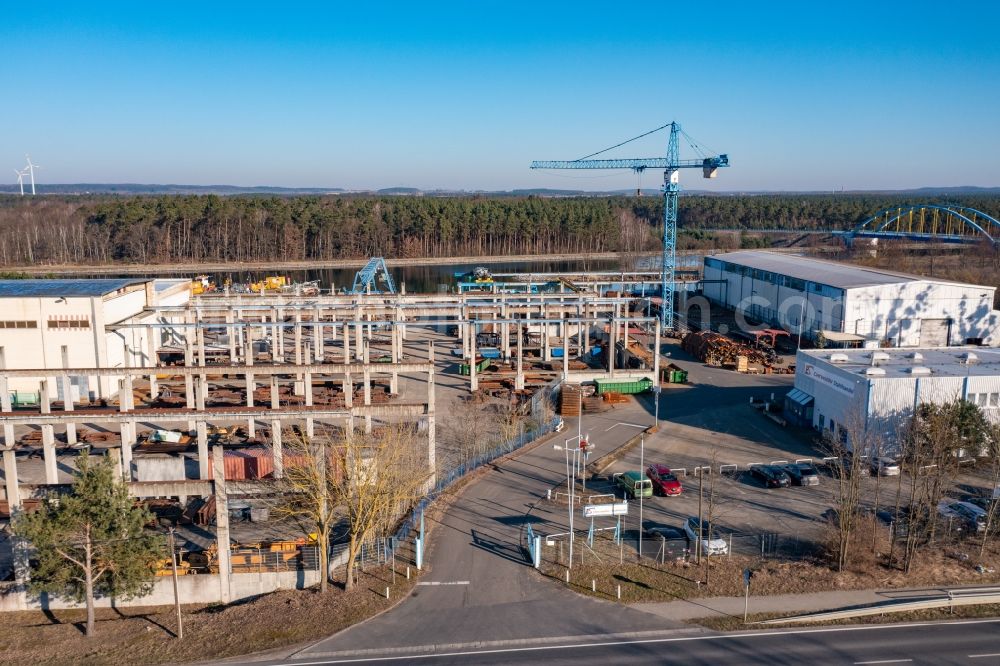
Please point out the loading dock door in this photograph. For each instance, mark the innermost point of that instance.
(934, 332)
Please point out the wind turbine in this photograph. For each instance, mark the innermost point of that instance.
(31, 170)
(20, 179)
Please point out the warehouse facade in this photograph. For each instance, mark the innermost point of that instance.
(70, 324)
(842, 390)
(851, 306)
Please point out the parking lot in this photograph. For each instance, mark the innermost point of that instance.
(711, 424)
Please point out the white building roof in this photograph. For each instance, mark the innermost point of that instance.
(832, 273)
(70, 288)
(900, 362)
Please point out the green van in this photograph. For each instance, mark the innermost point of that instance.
(633, 484)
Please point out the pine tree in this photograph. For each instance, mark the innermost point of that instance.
(92, 541)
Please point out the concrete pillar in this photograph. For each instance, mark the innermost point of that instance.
(319, 344)
(473, 375)
(48, 437)
(546, 342)
(463, 328)
(68, 407)
(222, 524)
(274, 392)
(347, 343)
(275, 336)
(280, 328)
(612, 342)
(251, 386)
(203, 461)
(154, 387)
(231, 334)
(6, 404)
(308, 389)
(625, 314)
(504, 333)
(248, 353)
(519, 376)
(240, 333)
(397, 352)
(310, 428)
(348, 391)
(565, 346)
(431, 425)
(368, 398)
(202, 391)
(200, 337)
(276, 449)
(189, 379)
(358, 331)
(298, 337)
(10, 478)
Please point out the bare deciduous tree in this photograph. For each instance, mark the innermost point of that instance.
(369, 479)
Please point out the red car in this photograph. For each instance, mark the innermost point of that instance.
(664, 482)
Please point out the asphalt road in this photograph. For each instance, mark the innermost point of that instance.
(481, 603)
(480, 587)
(972, 643)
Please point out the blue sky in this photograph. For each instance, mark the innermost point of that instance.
(802, 96)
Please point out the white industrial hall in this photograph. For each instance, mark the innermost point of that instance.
(844, 305)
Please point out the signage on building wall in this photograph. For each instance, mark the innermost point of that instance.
(825, 378)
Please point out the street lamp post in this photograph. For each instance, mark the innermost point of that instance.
(571, 487)
(642, 470)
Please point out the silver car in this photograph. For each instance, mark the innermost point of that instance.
(884, 466)
(711, 543)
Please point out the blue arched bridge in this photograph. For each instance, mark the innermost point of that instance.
(940, 223)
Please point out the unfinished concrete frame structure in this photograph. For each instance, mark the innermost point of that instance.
(265, 341)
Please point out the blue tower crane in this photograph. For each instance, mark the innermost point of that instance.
(671, 165)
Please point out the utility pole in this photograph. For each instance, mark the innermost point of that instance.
(701, 531)
(177, 599)
(642, 470)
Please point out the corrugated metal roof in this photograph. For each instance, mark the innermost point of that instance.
(899, 361)
(69, 288)
(831, 273)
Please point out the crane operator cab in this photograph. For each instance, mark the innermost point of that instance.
(710, 165)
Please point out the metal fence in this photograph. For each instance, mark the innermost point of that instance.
(259, 560)
(373, 552)
(451, 476)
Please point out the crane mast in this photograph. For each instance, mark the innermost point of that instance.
(671, 165)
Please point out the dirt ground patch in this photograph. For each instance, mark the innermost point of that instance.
(608, 567)
(145, 635)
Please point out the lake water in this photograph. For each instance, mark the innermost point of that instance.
(434, 278)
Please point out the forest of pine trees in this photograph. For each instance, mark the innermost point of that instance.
(167, 229)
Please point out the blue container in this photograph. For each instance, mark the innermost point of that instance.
(557, 352)
(489, 352)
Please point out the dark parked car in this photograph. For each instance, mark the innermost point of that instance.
(802, 474)
(771, 476)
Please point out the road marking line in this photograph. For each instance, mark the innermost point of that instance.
(884, 661)
(438, 582)
(648, 641)
(624, 423)
(980, 656)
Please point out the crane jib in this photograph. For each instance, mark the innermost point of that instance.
(671, 189)
(640, 163)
